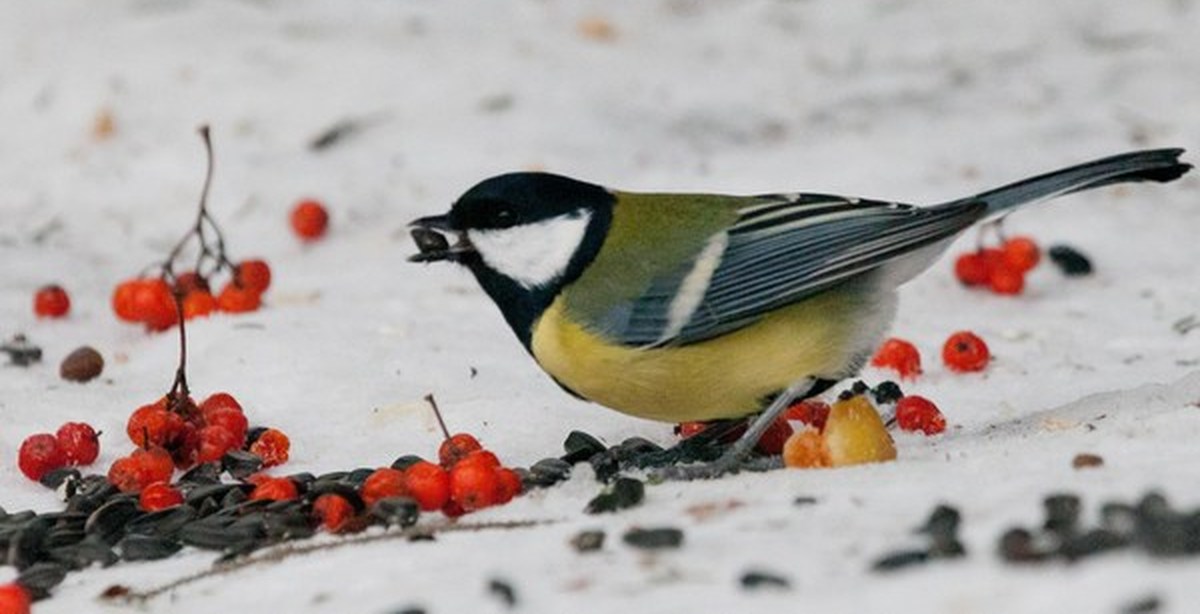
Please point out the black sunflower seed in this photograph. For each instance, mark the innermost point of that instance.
(56, 478)
(580, 446)
(654, 539)
(234, 497)
(503, 591)
(241, 464)
(197, 495)
(163, 523)
(588, 541)
(549, 471)
(1017, 546)
(26, 545)
(763, 579)
(622, 494)
(1062, 514)
(631, 449)
(202, 474)
(135, 547)
(88, 552)
(887, 392)
(1070, 261)
(398, 511)
(406, 461)
(900, 560)
(64, 536)
(358, 476)
(220, 533)
(1092, 542)
(605, 465)
(40, 578)
(1120, 518)
(109, 520)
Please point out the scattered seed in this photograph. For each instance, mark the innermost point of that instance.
(90, 551)
(398, 511)
(1146, 605)
(752, 580)
(623, 493)
(1086, 461)
(605, 465)
(406, 461)
(1070, 261)
(163, 523)
(134, 547)
(1062, 514)
(202, 474)
(115, 591)
(38, 579)
(82, 365)
(588, 541)
(1092, 542)
(887, 392)
(58, 478)
(900, 559)
(241, 464)
(550, 471)
(1017, 546)
(503, 591)
(804, 501)
(21, 353)
(654, 539)
(109, 520)
(629, 450)
(580, 446)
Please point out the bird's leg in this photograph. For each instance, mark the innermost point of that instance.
(733, 458)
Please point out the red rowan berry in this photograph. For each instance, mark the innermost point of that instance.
(40, 454)
(51, 302)
(159, 496)
(457, 447)
(899, 355)
(915, 413)
(429, 484)
(384, 483)
(309, 220)
(79, 442)
(964, 352)
(272, 447)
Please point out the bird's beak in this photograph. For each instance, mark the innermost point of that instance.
(427, 233)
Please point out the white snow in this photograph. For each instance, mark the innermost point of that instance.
(917, 102)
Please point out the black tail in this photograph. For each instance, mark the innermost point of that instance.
(1150, 165)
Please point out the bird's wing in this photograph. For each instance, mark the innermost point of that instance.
(781, 249)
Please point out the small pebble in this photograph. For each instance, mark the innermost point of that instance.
(1146, 605)
(654, 539)
(82, 365)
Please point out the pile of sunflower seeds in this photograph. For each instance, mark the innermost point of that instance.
(1150, 525)
(101, 525)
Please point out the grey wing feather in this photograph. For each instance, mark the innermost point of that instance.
(782, 249)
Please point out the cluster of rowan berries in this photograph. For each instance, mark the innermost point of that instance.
(75, 444)
(152, 300)
(999, 269)
(176, 433)
(466, 478)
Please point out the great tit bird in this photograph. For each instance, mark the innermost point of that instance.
(681, 307)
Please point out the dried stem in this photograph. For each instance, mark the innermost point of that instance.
(437, 412)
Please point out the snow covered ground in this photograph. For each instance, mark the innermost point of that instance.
(918, 102)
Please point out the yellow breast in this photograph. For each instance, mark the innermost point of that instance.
(724, 377)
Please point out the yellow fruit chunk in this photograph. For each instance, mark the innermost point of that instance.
(855, 434)
(806, 449)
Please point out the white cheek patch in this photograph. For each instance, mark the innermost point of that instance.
(534, 254)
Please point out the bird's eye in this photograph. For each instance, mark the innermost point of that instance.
(503, 217)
